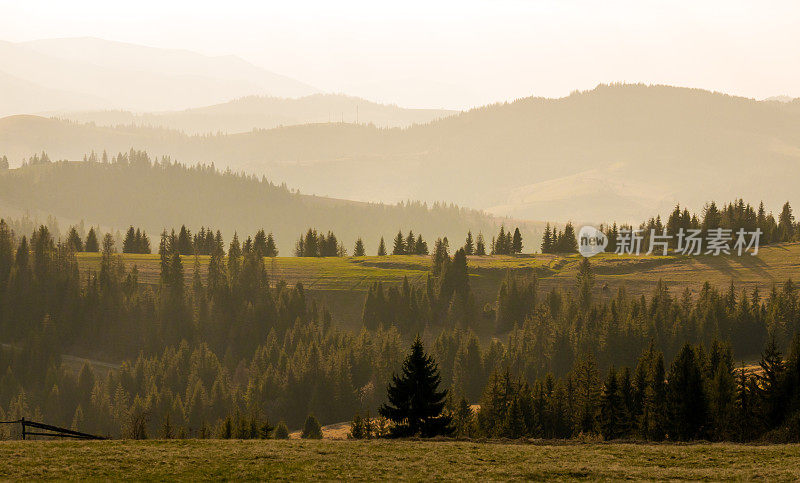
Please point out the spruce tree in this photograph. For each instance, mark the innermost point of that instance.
(469, 245)
(421, 246)
(281, 431)
(516, 242)
(311, 428)
(786, 226)
(567, 242)
(358, 250)
(399, 244)
(74, 240)
(411, 244)
(686, 397)
(92, 244)
(611, 407)
(382, 248)
(260, 243)
(271, 248)
(129, 244)
(480, 246)
(415, 403)
(546, 243)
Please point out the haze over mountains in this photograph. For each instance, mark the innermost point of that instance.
(90, 73)
(620, 152)
(256, 112)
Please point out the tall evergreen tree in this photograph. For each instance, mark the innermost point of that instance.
(611, 407)
(516, 242)
(382, 248)
(686, 397)
(415, 404)
(547, 245)
(271, 248)
(358, 250)
(480, 245)
(469, 245)
(92, 244)
(74, 240)
(129, 244)
(399, 244)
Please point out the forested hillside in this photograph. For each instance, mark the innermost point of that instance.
(617, 152)
(230, 354)
(130, 189)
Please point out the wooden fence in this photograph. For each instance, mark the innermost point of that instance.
(33, 428)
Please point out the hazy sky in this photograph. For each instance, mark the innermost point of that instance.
(457, 54)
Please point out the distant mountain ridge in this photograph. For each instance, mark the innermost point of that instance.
(161, 195)
(258, 112)
(127, 76)
(618, 152)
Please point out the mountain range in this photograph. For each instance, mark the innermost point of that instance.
(618, 152)
(90, 73)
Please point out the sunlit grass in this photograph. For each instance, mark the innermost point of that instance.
(326, 459)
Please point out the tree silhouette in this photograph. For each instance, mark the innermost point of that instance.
(415, 403)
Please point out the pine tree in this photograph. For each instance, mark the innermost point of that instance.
(311, 428)
(469, 246)
(480, 246)
(547, 246)
(358, 250)
(516, 243)
(4, 163)
(567, 242)
(611, 407)
(382, 248)
(92, 245)
(587, 393)
(786, 226)
(771, 393)
(129, 244)
(415, 403)
(260, 243)
(74, 240)
(281, 431)
(185, 241)
(271, 248)
(421, 246)
(399, 244)
(411, 244)
(686, 397)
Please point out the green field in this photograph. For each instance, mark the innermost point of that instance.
(340, 283)
(419, 460)
(773, 264)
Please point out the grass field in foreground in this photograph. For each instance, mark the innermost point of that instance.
(229, 459)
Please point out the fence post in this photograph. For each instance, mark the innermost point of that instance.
(23, 427)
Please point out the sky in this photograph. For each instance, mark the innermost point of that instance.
(461, 54)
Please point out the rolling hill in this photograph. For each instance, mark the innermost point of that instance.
(621, 152)
(255, 112)
(162, 195)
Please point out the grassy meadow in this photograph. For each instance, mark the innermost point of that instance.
(382, 459)
(341, 283)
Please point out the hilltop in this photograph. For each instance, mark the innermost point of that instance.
(259, 112)
(164, 194)
(620, 152)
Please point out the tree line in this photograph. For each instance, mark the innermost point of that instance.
(203, 356)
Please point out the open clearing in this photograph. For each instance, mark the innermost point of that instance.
(773, 264)
(341, 283)
(293, 459)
